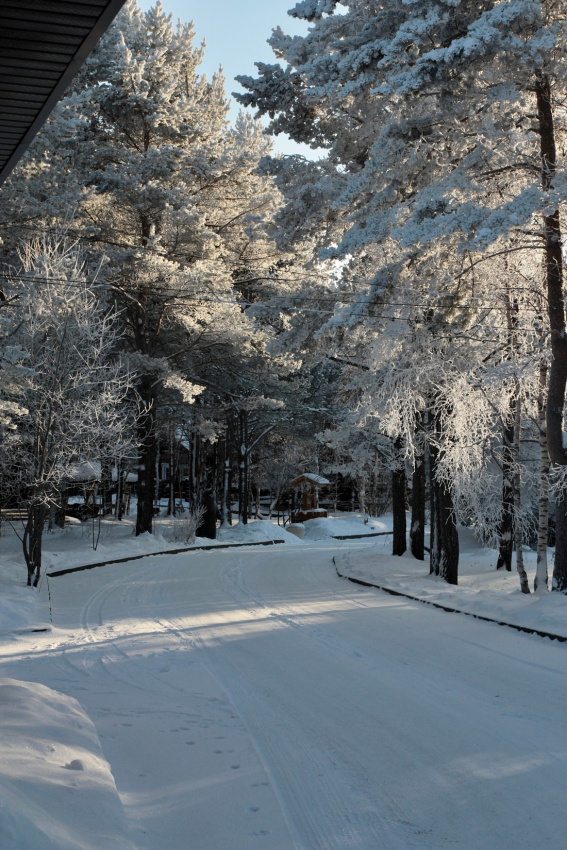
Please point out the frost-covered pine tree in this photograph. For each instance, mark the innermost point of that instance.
(141, 156)
(442, 122)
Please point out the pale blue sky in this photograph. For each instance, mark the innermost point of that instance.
(235, 32)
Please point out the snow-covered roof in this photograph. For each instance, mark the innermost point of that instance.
(86, 471)
(311, 477)
(89, 470)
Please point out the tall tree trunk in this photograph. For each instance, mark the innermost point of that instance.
(434, 551)
(361, 496)
(506, 530)
(226, 509)
(61, 509)
(518, 541)
(157, 476)
(417, 530)
(226, 502)
(32, 541)
(399, 543)
(171, 487)
(560, 562)
(243, 468)
(106, 485)
(554, 277)
(214, 470)
(198, 467)
(118, 509)
(541, 576)
(147, 456)
(555, 300)
(444, 533)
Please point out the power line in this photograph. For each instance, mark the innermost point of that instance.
(339, 302)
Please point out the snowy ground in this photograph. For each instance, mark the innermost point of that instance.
(250, 698)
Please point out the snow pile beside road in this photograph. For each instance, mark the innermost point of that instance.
(325, 527)
(22, 608)
(260, 531)
(62, 556)
(56, 788)
(19, 608)
(482, 590)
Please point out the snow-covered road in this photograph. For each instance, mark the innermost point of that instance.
(251, 699)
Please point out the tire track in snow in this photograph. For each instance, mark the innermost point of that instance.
(327, 799)
(185, 703)
(326, 796)
(395, 827)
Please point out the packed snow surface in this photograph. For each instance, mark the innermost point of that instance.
(250, 698)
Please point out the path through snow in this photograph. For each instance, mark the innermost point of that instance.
(251, 699)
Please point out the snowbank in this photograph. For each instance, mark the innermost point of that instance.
(482, 591)
(320, 529)
(56, 788)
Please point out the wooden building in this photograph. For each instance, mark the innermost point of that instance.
(306, 496)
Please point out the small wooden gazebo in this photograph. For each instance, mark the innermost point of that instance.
(306, 502)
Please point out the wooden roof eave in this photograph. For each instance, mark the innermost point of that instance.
(20, 142)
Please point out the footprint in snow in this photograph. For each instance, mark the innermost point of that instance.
(76, 764)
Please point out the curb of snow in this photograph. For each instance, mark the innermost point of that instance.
(166, 552)
(358, 536)
(449, 609)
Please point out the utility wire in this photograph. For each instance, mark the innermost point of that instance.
(339, 301)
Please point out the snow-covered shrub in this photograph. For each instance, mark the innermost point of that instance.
(185, 527)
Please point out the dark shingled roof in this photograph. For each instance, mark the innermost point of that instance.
(42, 46)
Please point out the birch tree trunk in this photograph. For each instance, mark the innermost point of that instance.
(362, 496)
(119, 490)
(171, 488)
(243, 468)
(226, 504)
(541, 576)
(147, 456)
(524, 584)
